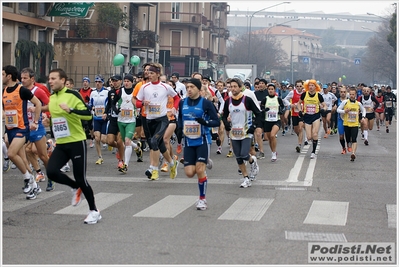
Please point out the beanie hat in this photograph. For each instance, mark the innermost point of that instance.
(129, 77)
(196, 82)
(86, 79)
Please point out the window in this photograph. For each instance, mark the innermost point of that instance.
(28, 7)
(176, 43)
(176, 10)
(42, 8)
(24, 34)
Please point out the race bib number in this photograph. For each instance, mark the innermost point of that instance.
(352, 116)
(237, 133)
(60, 128)
(154, 109)
(11, 118)
(127, 113)
(271, 115)
(310, 109)
(192, 129)
(388, 104)
(368, 109)
(99, 111)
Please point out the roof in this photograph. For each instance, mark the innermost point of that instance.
(285, 30)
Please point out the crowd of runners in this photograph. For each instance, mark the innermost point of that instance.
(175, 122)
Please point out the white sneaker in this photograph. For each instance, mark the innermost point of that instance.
(93, 217)
(28, 185)
(246, 183)
(13, 166)
(219, 150)
(201, 204)
(274, 156)
(91, 144)
(66, 168)
(209, 165)
(313, 155)
(33, 193)
(254, 169)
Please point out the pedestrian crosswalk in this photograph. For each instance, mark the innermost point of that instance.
(319, 212)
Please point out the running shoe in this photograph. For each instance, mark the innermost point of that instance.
(349, 149)
(93, 217)
(28, 185)
(298, 148)
(274, 156)
(76, 196)
(13, 166)
(230, 154)
(50, 185)
(120, 165)
(139, 152)
(366, 142)
(173, 169)
(66, 168)
(254, 169)
(313, 155)
(179, 149)
(100, 161)
(246, 183)
(362, 136)
(6, 165)
(123, 169)
(155, 175)
(306, 143)
(148, 173)
(219, 150)
(343, 151)
(201, 204)
(353, 156)
(283, 132)
(165, 167)
(209, 164)
(261, 155)
(40, 177)
(110, 148)
(91, 144)
(33, 193)
(387, 130)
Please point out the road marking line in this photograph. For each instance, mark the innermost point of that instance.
(327, 213)
(19, 201)
(103, 201)
(324, 237)
(294, 173)
(247, 209)
(391, 210)
(168, 207)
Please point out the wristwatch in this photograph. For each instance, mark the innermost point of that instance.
(70, 110)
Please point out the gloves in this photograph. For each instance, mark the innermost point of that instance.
(201, 121)
(266, 109)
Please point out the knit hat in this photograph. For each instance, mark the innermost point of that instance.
(129, 77)
(196, 82)
(86, 79)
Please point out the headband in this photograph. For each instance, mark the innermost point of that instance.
(154, 69)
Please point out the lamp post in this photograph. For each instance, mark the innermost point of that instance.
(250, 24)
(369, 29)
(280, 24)
(371, 14)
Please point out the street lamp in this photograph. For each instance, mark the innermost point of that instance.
(280, 24)
(371, 14)
(369, 29)
(250, 24)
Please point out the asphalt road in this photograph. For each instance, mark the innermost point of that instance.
(329, 199)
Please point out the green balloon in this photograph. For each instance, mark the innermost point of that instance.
(118, 60)
(343, 76)
(135, 60)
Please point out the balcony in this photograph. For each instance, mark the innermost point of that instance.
(143, 38)
(182, 51)
(194, 19)
(87, 32)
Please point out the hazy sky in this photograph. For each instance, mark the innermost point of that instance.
(380, 8)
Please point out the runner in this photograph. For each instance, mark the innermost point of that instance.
(67, 109)
(239, 110)
(153, 96)
(15, 107)
(369, 103)
(195, 117)
(350, 108)
(340, 122)
(329, 99)
(380, 111)
(311, 100)
(85, 92)
(389, 100)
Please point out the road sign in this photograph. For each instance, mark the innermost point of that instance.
(357, 61)
(202, 64)
(70, 9)
(305, 60)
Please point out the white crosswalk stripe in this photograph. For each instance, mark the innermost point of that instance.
(247, 209)
(327, 213)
